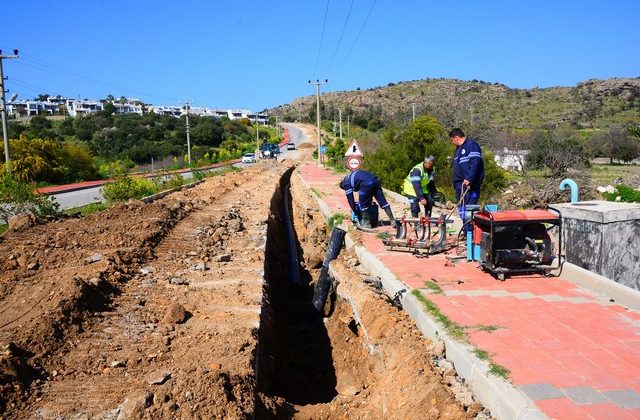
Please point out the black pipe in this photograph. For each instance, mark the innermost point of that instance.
(324, 282)
(294, 268)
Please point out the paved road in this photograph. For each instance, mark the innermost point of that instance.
(81, 197)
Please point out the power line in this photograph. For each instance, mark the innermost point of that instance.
(341, 35)
(324, 23)
(358, 36)
(44, 66)
(28, 86)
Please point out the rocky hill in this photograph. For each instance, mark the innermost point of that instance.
(591, 104)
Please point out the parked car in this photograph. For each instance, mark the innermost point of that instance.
(248, 158)
(269, 151)
(291, 146)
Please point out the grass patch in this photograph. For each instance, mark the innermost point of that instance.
(335, 220)
(433, 286)
(382, 235)
(454, 329)
(486, 328)
(606, 174)
(87, 209)
(481, 354)
(317, 193)
(499, 371)
(3, 228)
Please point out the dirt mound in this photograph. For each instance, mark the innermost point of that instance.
(92, 306)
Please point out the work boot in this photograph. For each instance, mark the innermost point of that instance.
(392, 220)
(365, 221)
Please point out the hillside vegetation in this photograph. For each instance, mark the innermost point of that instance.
(591, 104)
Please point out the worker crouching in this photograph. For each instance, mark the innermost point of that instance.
(368, 186)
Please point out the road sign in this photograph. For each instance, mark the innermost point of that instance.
(323, 150)
(354, 163)
(354, 149)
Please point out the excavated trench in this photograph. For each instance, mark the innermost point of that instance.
(329, 365)
(295, 360)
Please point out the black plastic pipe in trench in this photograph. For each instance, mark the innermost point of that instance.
(324, 282)
(294, 269)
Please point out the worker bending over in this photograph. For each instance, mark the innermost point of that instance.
(419, 186)
(368, 186)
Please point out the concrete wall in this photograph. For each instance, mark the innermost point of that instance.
(603, 237)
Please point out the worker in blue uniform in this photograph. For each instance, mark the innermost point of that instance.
(468, 170)
(368, 186)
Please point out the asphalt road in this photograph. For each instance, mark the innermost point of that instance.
(72, 199)
(78, 198)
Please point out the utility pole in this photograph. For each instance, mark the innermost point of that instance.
(5, 131)
(257, 138)
(340, 115)
(348, 125)
(188, 138)
(277, 129)
(413, 107)
(318, 83)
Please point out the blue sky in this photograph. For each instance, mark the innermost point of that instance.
(260, 54)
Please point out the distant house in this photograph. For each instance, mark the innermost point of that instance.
(511, 160)
(32, 107)
(169, 111)
(77, 107)
(128, 108)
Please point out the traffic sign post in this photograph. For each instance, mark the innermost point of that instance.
(354, 149)
(354, 163)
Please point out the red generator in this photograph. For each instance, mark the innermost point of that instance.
(517, 241)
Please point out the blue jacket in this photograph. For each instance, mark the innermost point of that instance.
(357, 181)
(468, 164)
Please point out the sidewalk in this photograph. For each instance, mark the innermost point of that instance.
(569, 353)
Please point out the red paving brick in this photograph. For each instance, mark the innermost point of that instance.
(559, 342)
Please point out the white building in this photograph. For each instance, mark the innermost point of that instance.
(128, 108)
(511, 160)
(77, 107)
(169, 111)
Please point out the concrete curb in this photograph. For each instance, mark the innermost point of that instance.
(503, 399)
(151, 198)
(601, 285)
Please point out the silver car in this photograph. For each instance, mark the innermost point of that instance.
(248, 158)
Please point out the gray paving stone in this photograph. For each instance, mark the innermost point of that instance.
(584, 395)
(579, 299)
(525, 295)
(552, 298)
(477, 292)
(625, 398)
(454, 292)
(541, 391)
(499, 293)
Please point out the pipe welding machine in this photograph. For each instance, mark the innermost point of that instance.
(517, 241)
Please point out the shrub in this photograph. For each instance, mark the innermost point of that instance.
(128, 187)
(19, 197)
(626, 194)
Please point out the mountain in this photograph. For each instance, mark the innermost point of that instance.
(591, 104)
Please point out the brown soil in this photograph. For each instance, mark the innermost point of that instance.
(183, 308)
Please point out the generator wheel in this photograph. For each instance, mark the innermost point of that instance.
(501, 276)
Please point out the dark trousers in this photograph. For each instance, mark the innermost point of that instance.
(471, 197)
(368, 192)
(414, 204)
